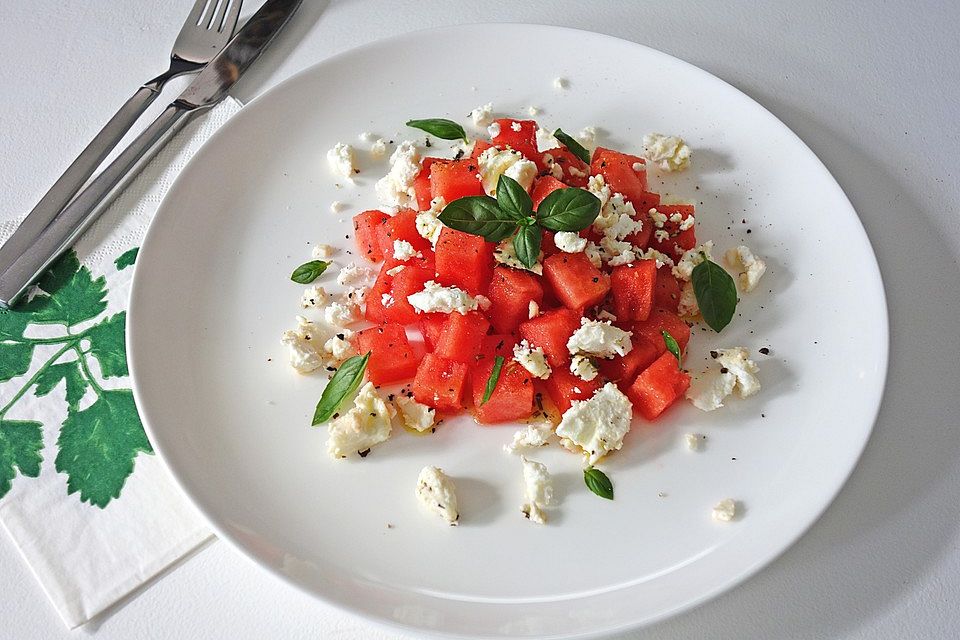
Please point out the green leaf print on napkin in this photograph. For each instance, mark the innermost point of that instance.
(100, 439)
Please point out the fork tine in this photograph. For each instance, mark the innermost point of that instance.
(196, 14)
(231, 17)
(211, 21)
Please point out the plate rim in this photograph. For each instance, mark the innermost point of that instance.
(874, 275)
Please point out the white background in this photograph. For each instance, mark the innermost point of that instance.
(871, 87)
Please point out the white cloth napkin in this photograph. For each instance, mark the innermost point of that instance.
(91, 509)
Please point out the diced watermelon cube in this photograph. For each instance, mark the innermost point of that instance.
(498, 344)
(464, 260)
(391, 358)
(479, 147)
(431, 324)
(658, 386)
(440, 383)
(563, 387)
(575, 171)
(512, 398)
(632, 286)
(576, 282)
(511, 291)
(663, 320)
(366, 229)
(547, 243)
(666, 293)
(626, 367)
(406, 283)
(374, 311)
(461, 337)
(617, 170)
(542, 187)
(524, 140)
(455, 179)
(402, 226)
(550, 331)
(422, 186)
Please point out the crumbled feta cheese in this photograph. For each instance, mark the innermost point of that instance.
(493, 130)
(737, 373)
(365, 136)
(725, 510)
(336, 206)
(606, 315)
(691, 258)
(428, 222)
(340, 347)
(546, 140)
(658, 219)
(617, 252)
(533, 310)
(482, 116)
(403, 250)
(661, 235)
(379, 148)
(397, 269)
(688, 306)
(592, 251)
(340, 159)
(537, 490)
(506, 254)
(483, 302)
(559, 83)
(353, 275)
(532, 110)
(599, 338)
(639, 166)
(437, 493)
(693, 441)
(597, 185)
(532, 359)
(554, 168)
(396, 188)
(687, 223)
(583, 368)
(569, 241)
(386, 300)
(338, 314)
(676, 217)
(313, 298)
(534, 435)
(670, 153)
(414, 415)
(516, 126)
(616, 218)
(305, 344)
(439, 299)
(321, 252)
(588, 137)
(493, 163)
(652, 254)
(750, 267)
(366, 424)
(599, 424)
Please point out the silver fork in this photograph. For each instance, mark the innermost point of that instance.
(206, 31)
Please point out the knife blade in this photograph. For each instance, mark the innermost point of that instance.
(208, 88)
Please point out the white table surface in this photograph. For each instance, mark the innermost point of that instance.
(873, 90)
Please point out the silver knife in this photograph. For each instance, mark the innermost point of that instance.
(209, 88)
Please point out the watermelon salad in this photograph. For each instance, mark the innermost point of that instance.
(521, 276)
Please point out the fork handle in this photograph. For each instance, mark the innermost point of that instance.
(77, 174)
(31, 259)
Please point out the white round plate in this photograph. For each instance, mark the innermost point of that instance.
(212, 295)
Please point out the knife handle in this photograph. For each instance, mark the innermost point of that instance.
(76, 174)
(33, 258)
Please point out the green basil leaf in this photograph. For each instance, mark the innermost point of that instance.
(526, 244)
(479, 216)
(573, 145)
(598, 482)
(440, 127)
(309, 271)
(513, 199)
(672, 345)
(716, 293)
(493, 379)
(568, 210)
(344, 383)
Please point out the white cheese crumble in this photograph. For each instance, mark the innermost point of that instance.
(592, 251)
(687, 223)
(493, 163)
(437, 493)
(588, 137)
(484, 302)
(652, 254)
(691, 258)
(533, 310)
(366, 424)
(379, 148)
(439, 299)
(338, 314)
(396, 188)
(709, 392)
(725, 510)
(428, 222)
(321, 252)
(516, 126)
(737, 362)
(569, 241)
(397, 269)
(414, 415)
(506, 254)
(597, 185)
(688, 307)
(599, 338)
(693, 440)
(336, 206)
(749, 267)
(493, 130)
(737, 373)
(546, 140)
(583, 368)
(340, 159)
(403, 250)
(531, 436)
(599, 424)
(365, 136)
(340, 347)
(560, 83)
(537, 490)
(314, 298)
(386, 300)
(353, 275)
(639, 166)
(482, 116)
(303, 344)
(532, 110)
(532, 359)
(670, 153)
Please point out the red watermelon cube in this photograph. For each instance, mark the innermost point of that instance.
(461, 337)
(512, 398)
(633, 287)
(575, 281)
(550, 331)
(391, 358)
(511, 291)
(658, 386)
(464, 261)
(440, 383)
